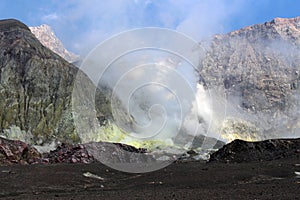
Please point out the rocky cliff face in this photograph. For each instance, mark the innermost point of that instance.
(35, 88)
(46, 36)
(257, 69)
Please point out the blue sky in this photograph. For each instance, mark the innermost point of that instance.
(81, 24)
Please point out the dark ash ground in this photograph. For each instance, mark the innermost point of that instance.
(182, 180)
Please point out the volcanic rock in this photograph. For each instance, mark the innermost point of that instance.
(17, 152)
(131, 148)
(257, 69)
(91, 152)
(68, 153)
(35, 88)
(47, 37)
(106, 152)
(241, 151)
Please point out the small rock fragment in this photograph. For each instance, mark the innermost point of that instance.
(90, 175)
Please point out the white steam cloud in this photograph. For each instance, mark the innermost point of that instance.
(83, 24)
(198, 19)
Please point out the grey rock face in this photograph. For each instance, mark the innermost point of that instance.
(46, 36)
(35, 87)
(258, 70)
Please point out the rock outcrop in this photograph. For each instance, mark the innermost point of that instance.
(241, 151)
(17, 152)
(46, 36)
(257, 68)
(35, 88)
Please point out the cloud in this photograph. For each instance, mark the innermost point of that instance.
(207, 18)
(50, 17)
(83, 24)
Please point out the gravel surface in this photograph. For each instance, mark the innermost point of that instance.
(182, 180)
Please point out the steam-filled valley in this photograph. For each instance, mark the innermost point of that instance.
(244, 86)
(240, 85)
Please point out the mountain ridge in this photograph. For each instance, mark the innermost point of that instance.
(257, 71)
(47, 37)
(8, 24)
(35, 88)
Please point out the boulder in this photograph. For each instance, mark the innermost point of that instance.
(17, 152)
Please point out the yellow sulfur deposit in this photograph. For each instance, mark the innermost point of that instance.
(239, 129)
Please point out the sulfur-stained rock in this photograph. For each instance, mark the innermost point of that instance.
(35, 88)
